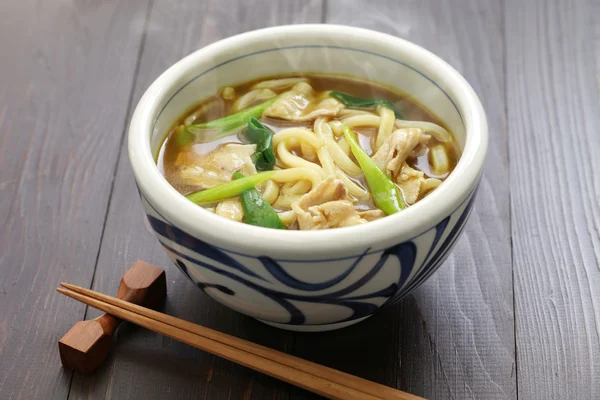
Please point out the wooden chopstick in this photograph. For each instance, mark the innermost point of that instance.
(330, 374)
(307, 381)
(314, 377)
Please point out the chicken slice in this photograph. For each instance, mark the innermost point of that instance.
(327, 206)
(396, 148)
(371, 215)
(217, 166)
(410, 181)
(231, 209)
(302, 103)
(328, 190)
(333, 214)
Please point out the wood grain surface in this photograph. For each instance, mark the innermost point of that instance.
(514, 312)
(554, 125)
(454, 337)
(66, 77)
(173, 32)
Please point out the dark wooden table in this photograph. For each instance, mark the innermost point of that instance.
(514, 312)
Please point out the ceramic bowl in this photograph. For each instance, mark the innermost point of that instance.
(309, 280)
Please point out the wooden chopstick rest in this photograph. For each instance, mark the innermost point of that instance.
(87, 343)
(314, 377)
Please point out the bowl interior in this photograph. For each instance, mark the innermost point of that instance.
(321, 49)
(270, 58)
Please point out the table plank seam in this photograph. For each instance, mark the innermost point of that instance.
(510, 214)
(324, 11)
(118, 158)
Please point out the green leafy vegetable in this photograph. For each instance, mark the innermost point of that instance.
(386, 194)
(364, 102)
(229, 189)
(256, 210)
(222, 127)
(258, 134)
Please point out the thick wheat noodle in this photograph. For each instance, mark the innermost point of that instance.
(301, 187)
(326, 161)
(286, 186)
(270, 192)
(297, 174)
(302, 135)
(341, 159)
(323, 130)
(435, 130)
(286, 200)
(353, 188)
(308, 151)
(287, 217)
(296, 188)
(344, 146)
(336, 128)
(368, 120)
(305, 157)
(386, 126)
(325, 158)
(294, 161)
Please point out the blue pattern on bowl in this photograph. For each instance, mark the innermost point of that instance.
(295, 293)
(193, 254)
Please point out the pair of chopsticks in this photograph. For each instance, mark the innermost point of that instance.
(316, 378)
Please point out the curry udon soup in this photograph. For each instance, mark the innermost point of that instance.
(307, 152)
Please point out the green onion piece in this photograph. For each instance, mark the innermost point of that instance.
(365, 102)
(229, 189)
(438, 159)
(258, 134)
(219, 128)
(386, 194)
(256, 210)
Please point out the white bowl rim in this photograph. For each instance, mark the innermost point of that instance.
(252, 240)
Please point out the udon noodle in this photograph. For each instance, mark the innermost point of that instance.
(321, 152)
